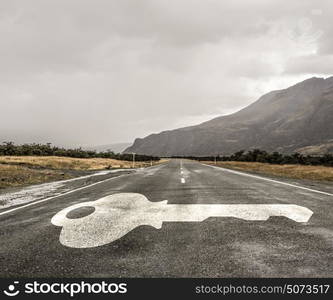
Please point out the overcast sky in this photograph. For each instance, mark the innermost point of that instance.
(104, 71)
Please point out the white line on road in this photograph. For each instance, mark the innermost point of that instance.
(182, 179)
(53, 197)
(69, 192)
(271, 180)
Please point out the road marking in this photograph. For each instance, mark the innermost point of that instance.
(75, 190)
(182, 179)
(271, 180)
(118, 214)
(53, 197)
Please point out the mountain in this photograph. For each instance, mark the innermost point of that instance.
(116, 148)
(299, 118)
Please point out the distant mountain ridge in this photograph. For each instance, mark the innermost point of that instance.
(116, 147)
(293, 119)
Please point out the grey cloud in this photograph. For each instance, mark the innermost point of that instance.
(95, 72)
(311, 63)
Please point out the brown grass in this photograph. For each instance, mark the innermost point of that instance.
(62, 163)
(25, 170)
(11, 175)
(289, 171)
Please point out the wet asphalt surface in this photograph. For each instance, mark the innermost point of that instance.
(216, 247)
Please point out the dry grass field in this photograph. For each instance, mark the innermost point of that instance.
(25, 170)
(11, 175)
(289, 171)
(61, 163)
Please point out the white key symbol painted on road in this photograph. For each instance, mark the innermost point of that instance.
(118, 214)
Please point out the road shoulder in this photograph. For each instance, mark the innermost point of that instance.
(15, 197)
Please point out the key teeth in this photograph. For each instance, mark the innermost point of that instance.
(163, 202)
(157, 225)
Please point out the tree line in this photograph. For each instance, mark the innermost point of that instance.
(10, 149)
(257, 155)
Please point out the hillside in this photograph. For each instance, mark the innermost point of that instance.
(293, 119)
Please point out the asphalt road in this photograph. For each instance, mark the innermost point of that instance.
(215, 247)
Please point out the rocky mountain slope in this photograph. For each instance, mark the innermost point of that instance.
(294, 119)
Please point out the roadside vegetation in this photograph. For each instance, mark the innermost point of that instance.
(69, 163)
(25, 170)
(294, 165)
(262, 156)
(288, 171)
(14, 175)
(38, 163)
(9, 149)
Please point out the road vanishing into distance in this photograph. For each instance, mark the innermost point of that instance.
(217, 246)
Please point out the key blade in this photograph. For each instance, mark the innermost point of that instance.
(249, 212)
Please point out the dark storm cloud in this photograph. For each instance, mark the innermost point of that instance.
(97, 72)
